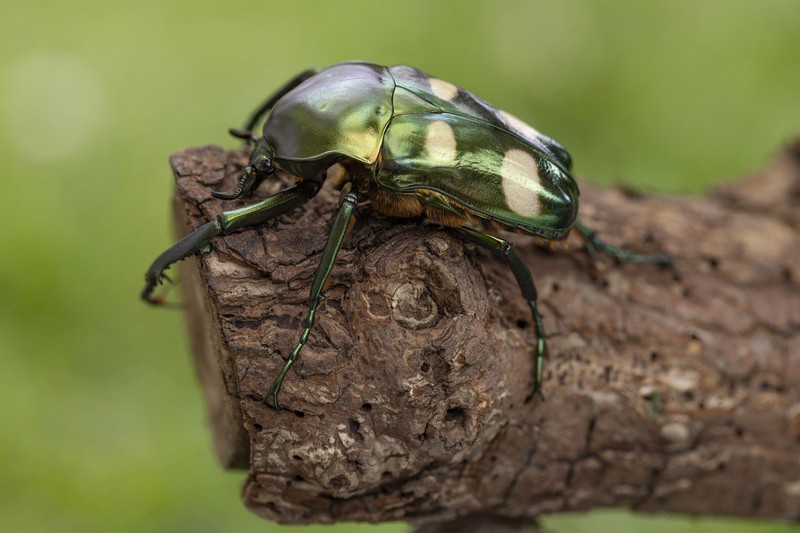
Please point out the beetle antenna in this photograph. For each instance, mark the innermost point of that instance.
(247, 135)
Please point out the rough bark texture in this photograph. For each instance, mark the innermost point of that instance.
(409, 401)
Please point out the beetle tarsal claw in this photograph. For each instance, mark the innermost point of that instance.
(271, 398)
(227, 195)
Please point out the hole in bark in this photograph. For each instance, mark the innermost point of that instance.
(335, 304)
(421, 437)
(456, 414)
(386, 474)
(247, 324)
(355, 425)
(258, 427)
(433, 362)
(529, 397)
(522, 324)
(287, 321)
(766, 385)
(688, 395)
(366, 407)
(338, 482)
(739, 432)
(297, 477)
(299, 414)
(713, 262)
(654, 355)
(555, 287)
(296, 457)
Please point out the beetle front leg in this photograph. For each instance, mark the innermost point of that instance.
(525, 281)
(226, 222)
(341, 224)
(592, 243)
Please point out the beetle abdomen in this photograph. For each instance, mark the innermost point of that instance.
(487, 171)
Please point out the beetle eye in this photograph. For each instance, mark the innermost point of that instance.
(264, 166)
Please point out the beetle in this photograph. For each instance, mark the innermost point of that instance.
(415, 146)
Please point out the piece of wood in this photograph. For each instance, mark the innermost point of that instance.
(409, 400)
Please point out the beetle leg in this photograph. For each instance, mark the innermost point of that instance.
(226, 222)
(264, 108)
(525, 281)
(592, 243)
(248, 181)
(341, 224)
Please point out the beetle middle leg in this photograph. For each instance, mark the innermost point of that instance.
(592, 243)
(525, 281)
(344, 217)
(226, 222)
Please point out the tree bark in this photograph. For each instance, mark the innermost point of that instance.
(411, 400)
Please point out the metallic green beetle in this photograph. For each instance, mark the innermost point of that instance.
(415, 146)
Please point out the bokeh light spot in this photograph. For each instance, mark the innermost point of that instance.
(53, 105)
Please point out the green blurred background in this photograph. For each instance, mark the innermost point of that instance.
(102, 425)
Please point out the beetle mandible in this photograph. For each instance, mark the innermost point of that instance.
(414, 145)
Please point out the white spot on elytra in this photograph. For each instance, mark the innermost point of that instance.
(521, 182)
(520, 127)
(442, 89)
(440, 142)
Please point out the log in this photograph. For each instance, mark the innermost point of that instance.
(411, 400)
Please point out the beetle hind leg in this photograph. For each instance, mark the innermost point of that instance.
(526, 284)
(341, 225)
(593, 243)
